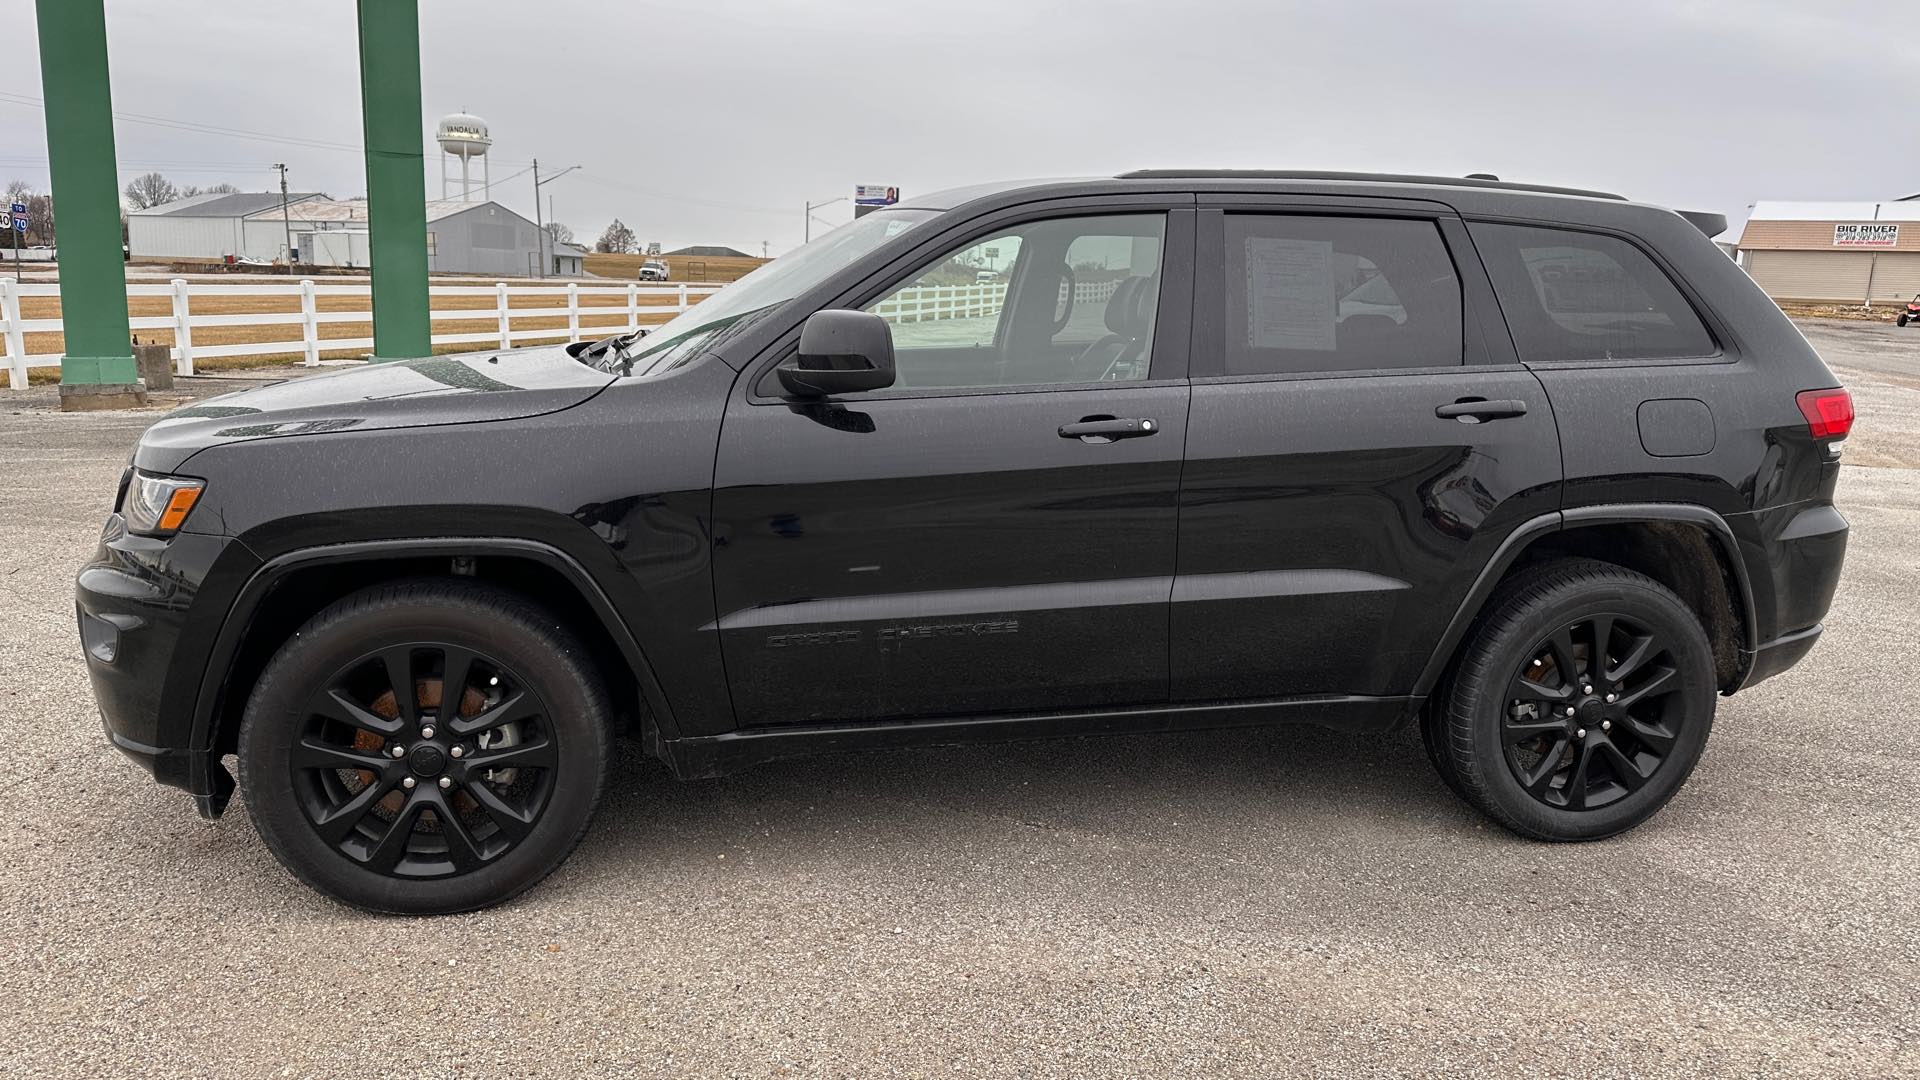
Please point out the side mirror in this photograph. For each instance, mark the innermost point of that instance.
(841, 352)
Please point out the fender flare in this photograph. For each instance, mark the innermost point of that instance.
(1604, 514)
(211, 776)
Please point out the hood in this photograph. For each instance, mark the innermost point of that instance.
(467, 389)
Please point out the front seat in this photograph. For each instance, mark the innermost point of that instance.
(1129, 324)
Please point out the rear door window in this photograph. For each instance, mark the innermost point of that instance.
(1313, 294)
(1581, 297)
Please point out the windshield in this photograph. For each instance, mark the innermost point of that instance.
(680, 340)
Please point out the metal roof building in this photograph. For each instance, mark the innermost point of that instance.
(462, 237)
(1845, 252)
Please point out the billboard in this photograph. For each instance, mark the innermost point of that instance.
(875, 195)
(1878, 234)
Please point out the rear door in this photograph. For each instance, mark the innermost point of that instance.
(960, 543)
(1361, 439)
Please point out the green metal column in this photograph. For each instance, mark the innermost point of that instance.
(396, 176)
(86, 188)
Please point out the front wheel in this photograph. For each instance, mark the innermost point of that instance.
(425, 747)
(1581, 704)
(1902, 320)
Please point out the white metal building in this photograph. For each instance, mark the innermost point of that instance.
(1847, 252)
(462, 237)
(211, 227)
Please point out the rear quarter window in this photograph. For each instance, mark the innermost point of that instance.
(1571, 296)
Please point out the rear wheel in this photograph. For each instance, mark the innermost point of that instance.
(425, 747)
(1582, 703)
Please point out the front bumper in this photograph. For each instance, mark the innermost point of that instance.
(147, 621)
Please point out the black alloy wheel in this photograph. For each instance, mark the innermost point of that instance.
(1588, 720)
(424, 760)
(1579, 704)
(426, 747)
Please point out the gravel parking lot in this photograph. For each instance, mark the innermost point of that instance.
(1243, 903)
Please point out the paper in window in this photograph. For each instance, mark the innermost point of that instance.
(1290, 294)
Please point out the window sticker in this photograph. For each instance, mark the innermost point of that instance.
(1290, 294)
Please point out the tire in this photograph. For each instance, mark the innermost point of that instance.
(1902, 320)
(1507, 744)
(425, 813)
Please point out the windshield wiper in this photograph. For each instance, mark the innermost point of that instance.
(608, 352)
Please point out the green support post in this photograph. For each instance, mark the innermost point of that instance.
(86, 186)
(396, 176)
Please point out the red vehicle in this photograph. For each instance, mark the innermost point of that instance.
(1912, 314)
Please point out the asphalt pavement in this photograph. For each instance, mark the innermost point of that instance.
(1283, 902)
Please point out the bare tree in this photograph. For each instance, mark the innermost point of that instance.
(150, 189)
(190, 190)
(618, 239)
(558, 233)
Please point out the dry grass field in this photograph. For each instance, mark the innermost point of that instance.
(595, 311)
(692, 269)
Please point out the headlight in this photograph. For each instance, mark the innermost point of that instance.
(156, 505)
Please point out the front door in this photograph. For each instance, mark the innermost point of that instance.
(1362, 441)
(955, 545)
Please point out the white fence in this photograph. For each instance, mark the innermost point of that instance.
(304, 325)
(923, 303)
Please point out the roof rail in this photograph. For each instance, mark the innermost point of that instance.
(1375, 178)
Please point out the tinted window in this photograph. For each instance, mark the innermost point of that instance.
(1580, 296)
(1338, 294)
(1058, 301)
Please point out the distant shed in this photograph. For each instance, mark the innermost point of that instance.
(1839, 252)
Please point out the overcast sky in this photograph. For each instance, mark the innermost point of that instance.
(715, 121)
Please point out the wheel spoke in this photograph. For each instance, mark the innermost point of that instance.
(517, 705)
(311, 753)
(1643, 650)
(462, 849)
(1544, 769)
(537, 753)
(1562, 645)
(453, 680)
(1522, 730)
(406, 698)
(514, 824)
(1624, 768)
(1655, 737)
(335, 705)
(1526, 689)
(1664, 680)
(338, 823)
(1576, 790)
(392, 846)
(1602, 637)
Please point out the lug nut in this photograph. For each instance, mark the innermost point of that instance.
(407, 783)
(1571, 710)
(458, 751)
(427, 732)
(1579, 733)
(399, 751)
(1585, 689)
(446, 782)
(1606, 725)
(1611, 698)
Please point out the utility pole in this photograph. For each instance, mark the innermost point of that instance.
(539, 221)
(286, 218)
(812, 206)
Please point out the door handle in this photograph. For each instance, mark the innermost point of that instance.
(1105, 429)
(1477, 410)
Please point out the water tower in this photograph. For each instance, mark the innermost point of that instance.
(465, 137)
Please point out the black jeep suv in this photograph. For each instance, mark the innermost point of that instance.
(1537, 469)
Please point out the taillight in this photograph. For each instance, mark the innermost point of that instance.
(1829, 413)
